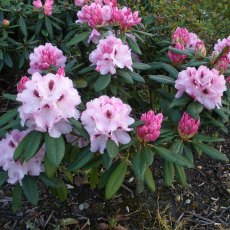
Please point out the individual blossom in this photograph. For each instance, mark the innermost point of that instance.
(79, 2)
(125, 18)
(61, 71)
(200, 51)
(44, 57)
(188, 126)
(150, 131)
(203, 85)
(106, 119)
(111, 54)
(94, 14)
(47, 104)
(193, 40)
(17, 170)
(94, 36)
(21, 85)
(176, 58)
(47, 7)
(222, 64)
(221, 44)
(5, 23)
(181, 36)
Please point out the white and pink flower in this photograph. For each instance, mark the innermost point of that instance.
(47, 103)
(111, 54)
(21, 85)
(106, 119)
(47, 7)
(17, 170)
(44, 57)
(203, 85)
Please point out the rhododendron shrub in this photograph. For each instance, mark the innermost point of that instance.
(100, 98)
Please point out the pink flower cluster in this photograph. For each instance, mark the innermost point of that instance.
(109, 54)
(150, 131)
(47, 7)
(17, 170)
(47, 102)
(188, 126)
(107, 118)
(106, 12)
(203, 85)
(182, 40)
(223, 62)
(44, 57)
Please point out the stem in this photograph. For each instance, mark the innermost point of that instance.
(139, 185)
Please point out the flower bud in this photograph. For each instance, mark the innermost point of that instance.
(176, 58)
(222, 64)
(5, 23)
(200, 51)
(150, 131)
(214, 56)
(188, 126)
(21, 85)
(61, 71)
(228, 79)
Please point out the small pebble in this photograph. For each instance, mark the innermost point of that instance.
(83, 206)
(188, 201)
(199, 167)
(178, 198)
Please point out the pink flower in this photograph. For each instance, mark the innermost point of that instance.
(222, 64)
(79, 2)
(125, 18)
(21, 85)
(193, 39)
(221, 44)
(150, 131)
(181, 36)
(228, 79)
(176, 58)
(111, 54)
(61, 71)
(17, 170)
(94, 36)
(200, 51)
(107, 118)
(47, 8)
(47, 103)
(203, 85)
(5, 23)
(188, 126)
(44, 57)
(37, 4)
(94, 15)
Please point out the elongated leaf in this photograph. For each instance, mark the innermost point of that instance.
(78, 38)
(61, 191)
(205, 138)
(169, 173)
(7, 60)
(179, 51)
(9, 96)
(30, 189)
(115, 180)
(171, 70)
(162, 79)
(17, 197)
(139, 164)
(49, 27)
(149, 179)
(187, 153)
(84, 156)
(137, 77)
(172, 157)
(147, 155)
(22, 26)
(55, 149)
(136, 124)
(106, 160)
(211, 151)
(20, 148)
(125, 76)
(8, 116)
(133, 45)
(194, 109)
(33, 144)
(112, 148)
(180, 174)
(3, 177)
(79, 128)
(141, 66)
(50, 182)
(182, 101)
(102, 82)
(86, 70)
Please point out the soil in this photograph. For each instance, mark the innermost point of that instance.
(203, 204)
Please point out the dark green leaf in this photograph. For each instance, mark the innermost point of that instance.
(139, 164)
(149, 179)
(3, 177)
(194, 109)
(169, 173)
(102, 82)
(133, 45)
(8, 116)
(78, 38)
(78, 126)
(125, 76)
(137, 77)
(112, 148)
(49, 27)
(17, 197)
(141, 66)
(22, 26)
(180, 174)
(30, 189)
(162, 79)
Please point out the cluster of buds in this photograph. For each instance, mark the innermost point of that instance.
(5, 23)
